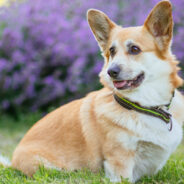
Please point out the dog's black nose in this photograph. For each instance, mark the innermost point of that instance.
(114, 71)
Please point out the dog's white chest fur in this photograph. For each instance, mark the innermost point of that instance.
(153, 145)
(147, 137)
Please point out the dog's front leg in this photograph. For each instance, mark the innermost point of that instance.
(119, 165)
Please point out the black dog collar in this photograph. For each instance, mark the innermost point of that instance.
(153, 111)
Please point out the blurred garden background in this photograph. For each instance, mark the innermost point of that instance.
(48, 55)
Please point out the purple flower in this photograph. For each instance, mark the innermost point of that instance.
(49, 55)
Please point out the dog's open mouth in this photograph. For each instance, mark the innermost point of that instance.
(126, 84)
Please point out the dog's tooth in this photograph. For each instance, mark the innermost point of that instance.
(129, 83)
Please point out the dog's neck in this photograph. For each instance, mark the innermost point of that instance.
(151, 94)
(151, 111)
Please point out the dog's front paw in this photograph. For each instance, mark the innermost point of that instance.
(112, 175)
(109, 173)
(115, 180)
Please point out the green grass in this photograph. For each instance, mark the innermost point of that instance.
(11, 131)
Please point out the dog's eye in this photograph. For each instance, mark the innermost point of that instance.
(134, 50)
(112, 51)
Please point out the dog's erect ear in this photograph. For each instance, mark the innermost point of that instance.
(160, 24)
(101, 26)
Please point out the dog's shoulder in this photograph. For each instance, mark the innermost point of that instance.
(177, 107)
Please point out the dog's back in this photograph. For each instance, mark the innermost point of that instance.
(56, 140)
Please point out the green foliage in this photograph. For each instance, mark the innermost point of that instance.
(172, 173)
(12, 130)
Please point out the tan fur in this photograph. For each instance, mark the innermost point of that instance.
(76, 136)
(71, 137)
(87, 132)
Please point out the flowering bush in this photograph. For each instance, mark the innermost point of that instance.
(48, 54)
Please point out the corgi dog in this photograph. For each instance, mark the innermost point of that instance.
(131, 126)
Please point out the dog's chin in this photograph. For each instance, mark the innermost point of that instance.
(129, 84)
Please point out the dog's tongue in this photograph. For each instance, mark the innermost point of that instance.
(119, 84)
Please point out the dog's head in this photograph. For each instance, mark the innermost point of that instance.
(138, 64)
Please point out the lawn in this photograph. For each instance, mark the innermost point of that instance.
(11, 131)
